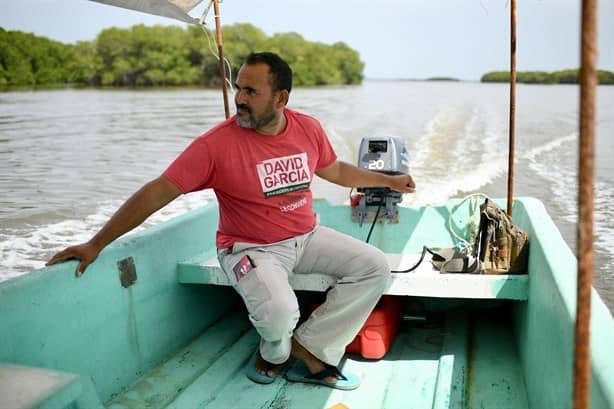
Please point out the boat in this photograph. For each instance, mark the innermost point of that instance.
(155, 324)
(174, 334)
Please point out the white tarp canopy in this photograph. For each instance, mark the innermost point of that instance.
(177, 9)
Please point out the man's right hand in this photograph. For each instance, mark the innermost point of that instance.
(86, 253)
(150, 198)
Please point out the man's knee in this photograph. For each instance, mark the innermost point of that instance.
(376, 261)
(278, 320)
(376, 267)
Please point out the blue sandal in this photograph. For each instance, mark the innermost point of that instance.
(300, 373)
(253, 374)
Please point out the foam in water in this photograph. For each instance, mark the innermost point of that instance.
(22, 250)
(558, 167)
(460, 151)
(604, 222)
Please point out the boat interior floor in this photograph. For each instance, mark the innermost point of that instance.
(458, 358)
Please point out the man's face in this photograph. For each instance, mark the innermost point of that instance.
(255, 100)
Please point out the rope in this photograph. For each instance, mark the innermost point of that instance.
(217, 57)
(473, 222)
(203, 22)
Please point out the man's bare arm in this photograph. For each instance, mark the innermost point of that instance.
(344, 174)
(147, 200)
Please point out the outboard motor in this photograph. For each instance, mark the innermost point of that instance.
(386, 154)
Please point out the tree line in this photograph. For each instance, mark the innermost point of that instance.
(543, 77)
(166, 55)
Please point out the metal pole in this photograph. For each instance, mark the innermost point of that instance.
(512, 137)
(586, 181)
(220, 51)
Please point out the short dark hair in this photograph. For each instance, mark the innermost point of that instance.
(281, 73)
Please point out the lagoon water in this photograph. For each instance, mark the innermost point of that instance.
(69, 158)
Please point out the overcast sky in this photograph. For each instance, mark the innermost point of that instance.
(395, 38)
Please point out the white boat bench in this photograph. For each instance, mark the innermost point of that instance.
(424, 281)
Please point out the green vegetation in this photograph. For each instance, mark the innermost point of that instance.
(542, 77)
(166, 55)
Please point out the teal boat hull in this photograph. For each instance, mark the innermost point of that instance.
(160, 343)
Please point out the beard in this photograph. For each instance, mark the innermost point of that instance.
(256, 121)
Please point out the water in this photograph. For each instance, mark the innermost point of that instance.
(69, 158)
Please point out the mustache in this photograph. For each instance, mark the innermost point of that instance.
(244, 107)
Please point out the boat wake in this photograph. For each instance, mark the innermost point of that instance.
(26, 249)
(557, 164)
(460, 151)
(463, 151)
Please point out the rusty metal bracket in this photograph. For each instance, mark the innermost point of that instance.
(127, 272)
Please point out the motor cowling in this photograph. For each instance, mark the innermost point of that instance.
(385, 154)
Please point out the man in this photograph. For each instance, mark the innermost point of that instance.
(260, 164)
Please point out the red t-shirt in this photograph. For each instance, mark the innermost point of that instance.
(262, 182)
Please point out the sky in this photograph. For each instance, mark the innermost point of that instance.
(395, 38)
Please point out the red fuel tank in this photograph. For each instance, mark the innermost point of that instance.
(378, 332)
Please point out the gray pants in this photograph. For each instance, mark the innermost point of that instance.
(362, 274)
